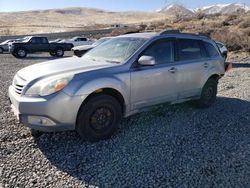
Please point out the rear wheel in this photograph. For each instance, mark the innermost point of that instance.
(99, 118)
(59, 52)
(208, 94)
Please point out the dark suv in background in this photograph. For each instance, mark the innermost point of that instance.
(38, 44)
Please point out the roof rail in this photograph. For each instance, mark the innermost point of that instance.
(164, 32)
(173, 31)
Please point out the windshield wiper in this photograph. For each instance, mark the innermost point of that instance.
(110, 61)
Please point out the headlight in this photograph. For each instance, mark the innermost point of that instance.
(48, 86)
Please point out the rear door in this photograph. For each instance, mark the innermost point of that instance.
(191, 65)
(44, 44)
(154, 84)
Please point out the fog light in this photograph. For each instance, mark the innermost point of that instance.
(38, 120)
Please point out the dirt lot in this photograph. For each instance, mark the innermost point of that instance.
(169, 146)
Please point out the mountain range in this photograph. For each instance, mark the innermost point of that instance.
(213, 9)
(80, 18)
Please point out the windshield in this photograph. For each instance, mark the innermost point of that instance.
(115, 50)
(5, 42)
(100, 41)
(25, 39)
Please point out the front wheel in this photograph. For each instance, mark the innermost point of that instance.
(99, 118)
(53, 54)
(208, 94)
(20, 53)
(77, 53)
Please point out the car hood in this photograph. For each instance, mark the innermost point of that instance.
(70, 65)
(84, 47)
(17, 43)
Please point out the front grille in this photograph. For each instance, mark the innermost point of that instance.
(19, 84)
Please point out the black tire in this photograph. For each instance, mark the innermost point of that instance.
(20, 53)
(208, 94)
(59, 52)
(53, 54)
(1, 50)
(78, 53)
(99, 110)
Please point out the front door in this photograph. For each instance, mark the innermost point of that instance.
(154, 84)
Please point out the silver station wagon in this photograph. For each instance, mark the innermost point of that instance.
(116, 79)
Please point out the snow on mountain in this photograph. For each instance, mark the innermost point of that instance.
(223, 8)
(174, 9)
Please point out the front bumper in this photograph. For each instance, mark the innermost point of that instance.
(57, 112)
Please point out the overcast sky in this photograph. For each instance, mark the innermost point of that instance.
(113, 5)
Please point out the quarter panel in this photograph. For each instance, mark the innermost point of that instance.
(217, 67)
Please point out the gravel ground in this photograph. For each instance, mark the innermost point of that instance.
(169, 146)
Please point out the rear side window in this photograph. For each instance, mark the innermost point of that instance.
(219, 45)
(162, 51)
(81, 39)
(189, 49)
(211, 50)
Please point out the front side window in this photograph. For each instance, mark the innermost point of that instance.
(115, 50)
(212, 52)
(162, 51)
(35, 41)
(189, 49)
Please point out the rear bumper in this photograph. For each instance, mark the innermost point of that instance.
(53, 113)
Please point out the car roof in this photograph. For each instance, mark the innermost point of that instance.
(78, 37)
(149, 35)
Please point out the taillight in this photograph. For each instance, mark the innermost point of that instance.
(228, 67)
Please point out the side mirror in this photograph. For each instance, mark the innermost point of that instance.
(146, 60)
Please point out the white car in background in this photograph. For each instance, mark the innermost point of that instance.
(80, 50)
(78, 41)
(4, 46)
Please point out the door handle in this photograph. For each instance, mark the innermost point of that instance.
(172, 70)
(205, 65)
